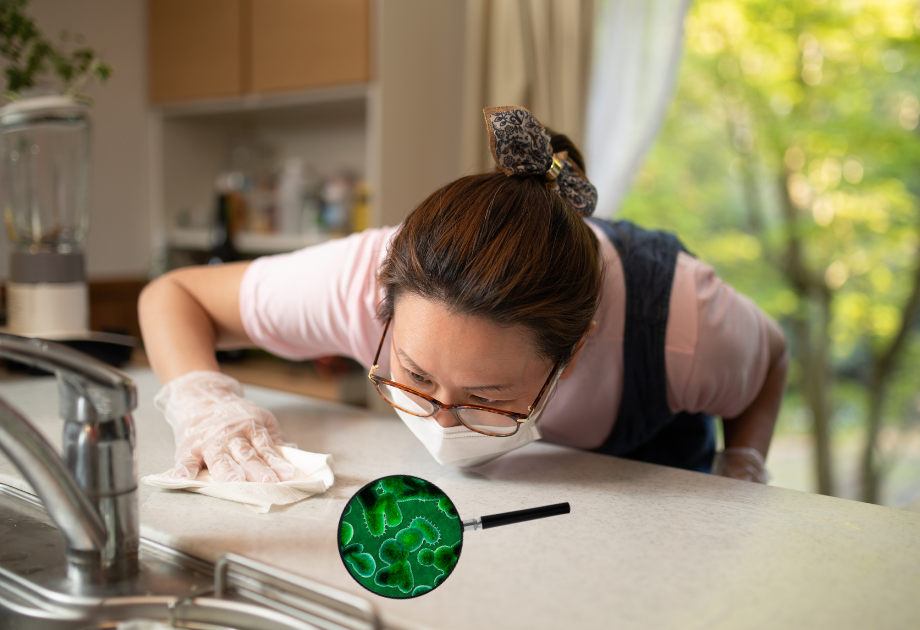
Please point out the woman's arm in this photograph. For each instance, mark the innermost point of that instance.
(753, 428)
(187, 313)
(184, 316)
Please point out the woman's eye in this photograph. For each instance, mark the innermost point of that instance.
(418, 378)
(484, 401)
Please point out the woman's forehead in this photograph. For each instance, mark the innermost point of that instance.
(435, 339)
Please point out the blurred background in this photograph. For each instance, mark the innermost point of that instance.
(778, 139)
(789, 161)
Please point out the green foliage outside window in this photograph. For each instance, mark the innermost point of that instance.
(790, 161)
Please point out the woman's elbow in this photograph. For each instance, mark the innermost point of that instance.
(158, 298)
(779, 347)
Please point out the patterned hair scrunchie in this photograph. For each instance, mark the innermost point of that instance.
(521, 146)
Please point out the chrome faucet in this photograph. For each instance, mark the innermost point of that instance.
(91, 494)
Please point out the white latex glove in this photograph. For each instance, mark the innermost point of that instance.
(742, 463)
(216, 427)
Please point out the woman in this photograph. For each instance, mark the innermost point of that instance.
(497, 314)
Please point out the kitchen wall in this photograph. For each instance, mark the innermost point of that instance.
(420, 78)
(119, 244)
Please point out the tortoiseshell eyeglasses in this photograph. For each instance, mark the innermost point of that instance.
(485, 420)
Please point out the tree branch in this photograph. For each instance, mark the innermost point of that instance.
(886, 359)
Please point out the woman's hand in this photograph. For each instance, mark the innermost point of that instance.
(216, 427)
(742, 463)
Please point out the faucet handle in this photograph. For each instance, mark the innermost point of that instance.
(91, 391)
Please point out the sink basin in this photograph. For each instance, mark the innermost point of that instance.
(171, 589)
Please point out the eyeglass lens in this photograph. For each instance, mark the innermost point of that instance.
(476, 419)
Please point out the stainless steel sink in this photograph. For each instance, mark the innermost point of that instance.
(81, 563)
(170, 588)
(74, 559)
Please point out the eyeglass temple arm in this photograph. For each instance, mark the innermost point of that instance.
(379, 348)
(518, 516)
(543, 389)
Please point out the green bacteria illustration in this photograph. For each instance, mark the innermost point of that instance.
(400, 536)
(443, 558)
(428, 531)
(346, 531)
(361, 563)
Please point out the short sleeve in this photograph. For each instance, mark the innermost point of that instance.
(317, 301)
(730, 354)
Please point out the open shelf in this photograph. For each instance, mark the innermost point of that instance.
(247, 242)
(326, 128)
(340, 94)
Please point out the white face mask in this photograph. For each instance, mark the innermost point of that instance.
(460, 446)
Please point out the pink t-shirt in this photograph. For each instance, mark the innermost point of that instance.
(321, 301)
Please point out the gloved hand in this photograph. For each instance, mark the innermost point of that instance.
(742, 463)
(218, 428)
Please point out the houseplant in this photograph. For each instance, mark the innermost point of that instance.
(29, 57)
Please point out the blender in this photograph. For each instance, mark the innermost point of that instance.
(45, 160)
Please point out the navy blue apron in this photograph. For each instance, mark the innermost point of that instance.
(645, 428)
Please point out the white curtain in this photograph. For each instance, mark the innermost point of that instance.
(532, 53)
(637, 53)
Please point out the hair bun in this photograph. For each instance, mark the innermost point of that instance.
(520, 145)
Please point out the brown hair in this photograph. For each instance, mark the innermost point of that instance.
(507, 249)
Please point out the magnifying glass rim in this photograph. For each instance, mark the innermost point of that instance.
(338, 537)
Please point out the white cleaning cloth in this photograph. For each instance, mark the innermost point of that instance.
(318, 478)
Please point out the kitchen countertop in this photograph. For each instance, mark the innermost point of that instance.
(644, 547)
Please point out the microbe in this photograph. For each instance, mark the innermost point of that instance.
(400, 536)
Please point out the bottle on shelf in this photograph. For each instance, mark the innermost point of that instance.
(261, 200)
(311, 202)
(290, 196)
(337, 201)
(360, 214)
(227, 220)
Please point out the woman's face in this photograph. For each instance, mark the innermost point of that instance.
(462, 359)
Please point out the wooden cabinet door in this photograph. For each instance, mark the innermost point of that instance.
(195, 49)
(299, 44)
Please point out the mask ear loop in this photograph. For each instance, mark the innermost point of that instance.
(537, 414)
(551, 388)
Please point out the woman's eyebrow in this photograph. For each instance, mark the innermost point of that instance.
(478, 388)
(412, 364)
(501, 389)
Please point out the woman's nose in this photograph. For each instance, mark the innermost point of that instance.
(446, 419)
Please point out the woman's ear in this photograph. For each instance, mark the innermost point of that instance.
(581, 345)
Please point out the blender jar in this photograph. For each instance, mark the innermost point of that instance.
(44, 152)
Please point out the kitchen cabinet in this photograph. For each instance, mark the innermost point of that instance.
(113, 305)
(195, 48)
(299, 44)
(212, 48)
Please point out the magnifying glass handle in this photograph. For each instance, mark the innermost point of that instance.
(518, 516)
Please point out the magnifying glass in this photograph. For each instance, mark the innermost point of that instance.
(401, 536)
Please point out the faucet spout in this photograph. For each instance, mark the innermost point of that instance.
(91, 493)
(35, 458)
